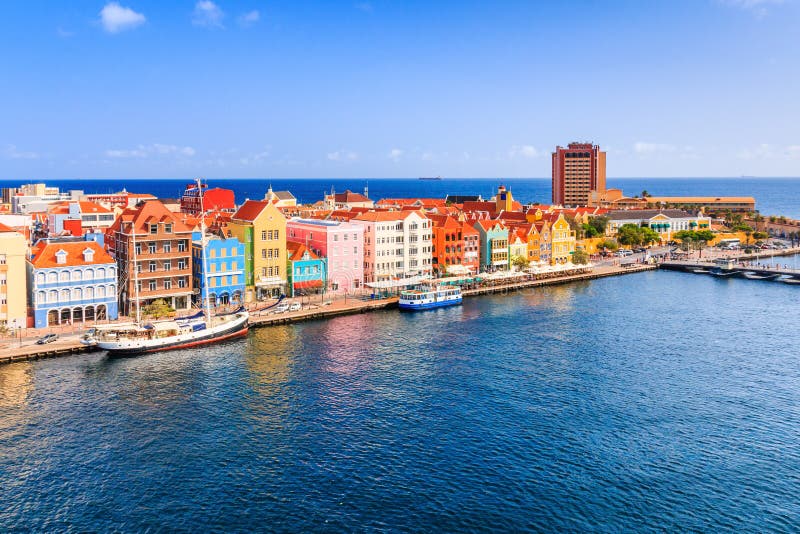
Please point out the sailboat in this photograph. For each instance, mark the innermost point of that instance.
(202, 328)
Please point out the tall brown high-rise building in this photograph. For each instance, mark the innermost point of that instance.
(578, 170)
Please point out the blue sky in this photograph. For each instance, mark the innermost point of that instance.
(251, 88)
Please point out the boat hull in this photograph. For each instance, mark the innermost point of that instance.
(429, 305)
(234, 329)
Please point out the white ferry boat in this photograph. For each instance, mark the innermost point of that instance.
(434, 297)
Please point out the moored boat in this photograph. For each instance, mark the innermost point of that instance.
(755, 276)
(432, 297)
(133, 338)
(199, 329)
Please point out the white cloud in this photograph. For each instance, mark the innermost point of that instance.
(11, 152)
(342, 155)
(208, 14)
(116, 18)
(524, 151)
(766, 151)
(156, 149)
(642, 147)
(250, 18)
(759, 8)
(395, 154)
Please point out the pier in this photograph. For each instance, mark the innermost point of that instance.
(733, 268)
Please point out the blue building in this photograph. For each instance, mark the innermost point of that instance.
(225, 263)
(71, 282)
(308, 273)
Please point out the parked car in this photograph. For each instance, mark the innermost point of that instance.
(296, 306)
(282, 307)
(44, 340)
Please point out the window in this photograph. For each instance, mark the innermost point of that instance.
(151, 248)
(138, 248)
(181, 265)
(167, 284)
(336, 238)
(168, 228)
(355, 250)
(182, 246)
(264, 254)
(182, 282)
(2, 259)
(152, 285)
(152, 267)
(167, 247)
(167, 265)
(154, 228)
(276, 235)
(264, 235)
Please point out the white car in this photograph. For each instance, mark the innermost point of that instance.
(282, 307)
(296, 306)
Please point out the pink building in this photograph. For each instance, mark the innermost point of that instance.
(342, 243)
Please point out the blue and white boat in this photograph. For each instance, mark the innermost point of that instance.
(432, 297)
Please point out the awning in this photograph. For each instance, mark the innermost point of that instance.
(307, 284)
(457, 269)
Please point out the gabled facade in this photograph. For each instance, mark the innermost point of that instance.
(494, 245)
(159, 265)
(563, 240)
(397, 244)
(224, 260)
(307, 271)
(341, 243)
(71, 282)
(261, 227)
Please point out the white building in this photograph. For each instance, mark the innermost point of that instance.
(397, 244)
(665, 222)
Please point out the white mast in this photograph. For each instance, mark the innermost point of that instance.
(136, 275)
(206, 300)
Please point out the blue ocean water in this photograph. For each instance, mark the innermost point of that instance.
(774, 196)
(655, 402)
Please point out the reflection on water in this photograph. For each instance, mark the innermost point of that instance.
(655, 401)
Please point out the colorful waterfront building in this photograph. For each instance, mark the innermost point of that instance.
(13, 278)
(224, 260)
(71, 282)
(307, 271)
(211, 199)
(493, 243)
(517, 244)
(261, 227)
(340, 242)
(455, 246)
(78, 217)
(152, 247)
(664, 222)
(397, 244)
(562, 239)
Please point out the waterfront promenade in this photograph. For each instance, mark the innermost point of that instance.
(12, 350)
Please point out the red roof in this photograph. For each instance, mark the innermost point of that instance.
(297, 250)
(150, 210)
(349, 196)
(384, 216)
(44, 254)
(250, 210)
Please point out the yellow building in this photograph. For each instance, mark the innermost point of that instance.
(261, 226)
(563, 240)
(13, 279)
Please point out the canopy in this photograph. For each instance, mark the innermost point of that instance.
(307, 284)
(400, 282)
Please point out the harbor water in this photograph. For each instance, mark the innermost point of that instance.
(648, 402)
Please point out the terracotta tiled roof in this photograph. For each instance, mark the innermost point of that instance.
(349, 196)
(44, 254)
(491, 207)
(297, 250)
(488, 224)
(149, 211)
(250, 210)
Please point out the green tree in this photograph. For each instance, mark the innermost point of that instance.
(520, 262)
(156, 309)
(648, 236)
(645, 193)
(599, 223)
(580, 257)
(705, 235)
(608, 244)
(589, 230)
(760, 235)
(629, 234)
